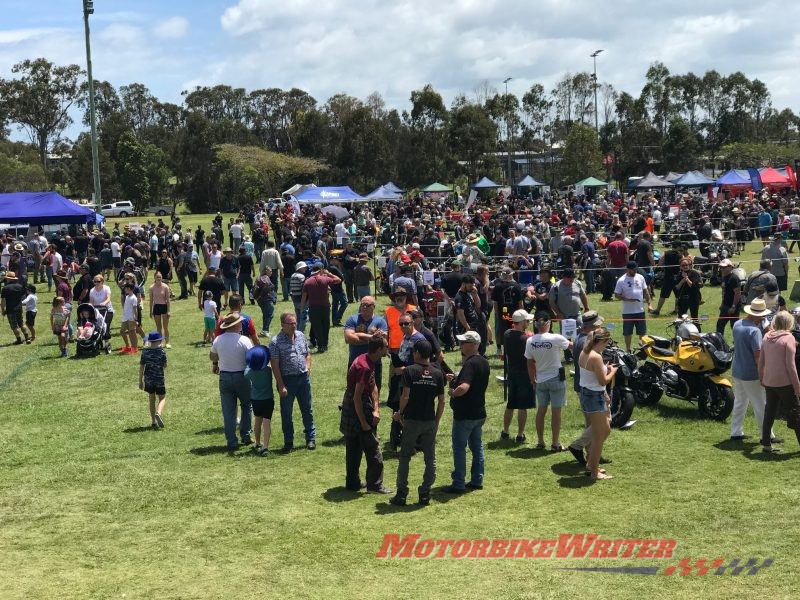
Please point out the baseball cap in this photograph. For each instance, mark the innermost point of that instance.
(543, 316)
(469, 336)
(631, 265)
(521, 315)
(569, 272)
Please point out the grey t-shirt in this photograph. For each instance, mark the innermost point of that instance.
(567, 298)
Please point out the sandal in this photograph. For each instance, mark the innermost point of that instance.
(540, 446)
(557, 448)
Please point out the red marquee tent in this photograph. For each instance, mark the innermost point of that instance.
(772, 178)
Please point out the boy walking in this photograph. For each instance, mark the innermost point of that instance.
(151, 376)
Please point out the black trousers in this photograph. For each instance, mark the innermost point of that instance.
(320, 318)
(366, 443)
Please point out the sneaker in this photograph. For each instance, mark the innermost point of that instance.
(397, 500)
(504, 435)
(311, 445)
(28, 340)
(474, 486)
(520, 438)
(258, 448)
(19, 342)
(168, 346)
(125, 350)
(134, 351)
(247, 441)
(64, 353)
(380, 490)
(159, 421)
(578, 454)
(424, 499)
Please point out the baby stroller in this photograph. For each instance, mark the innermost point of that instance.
(98, 341)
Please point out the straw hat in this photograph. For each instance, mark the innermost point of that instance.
(230, 320)
(757, 308)
(11, 276)
(473, 238)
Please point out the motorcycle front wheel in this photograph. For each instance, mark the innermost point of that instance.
(646, 390)
(622, 404)
(715, 401)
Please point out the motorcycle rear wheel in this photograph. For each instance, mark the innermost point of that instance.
(622, 405)
(715, 401)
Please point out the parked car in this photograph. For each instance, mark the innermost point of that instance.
(164, 209)
(117, 209)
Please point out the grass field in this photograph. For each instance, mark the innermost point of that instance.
(93, 504)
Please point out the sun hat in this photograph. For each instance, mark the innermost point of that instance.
(521, 315)
(757, 308)
(300, 265)
(11, 276)
(230, 320)
(591, 318)
(473, 238)
(154, 338)
(257, 358)
(469, 336)
(19, 247)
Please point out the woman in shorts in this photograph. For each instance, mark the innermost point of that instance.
(595, 375)
(159, 306)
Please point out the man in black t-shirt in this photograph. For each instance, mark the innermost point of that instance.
(731, 295)
(421, 409)
(507, 298)
(11, 303)
(518, 384)
(210, 282)
(467, 305)
(468, 401)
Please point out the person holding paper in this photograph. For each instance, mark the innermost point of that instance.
(632, 289)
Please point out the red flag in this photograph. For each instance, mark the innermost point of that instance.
(792, 177)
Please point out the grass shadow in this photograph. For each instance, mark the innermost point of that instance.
(686, 410)
(340, 494)
(141, 429)
(212, 431)
(209, 450)
(735, 445)
(755, 454)
(333, 443)
(529, 452)
(502, 444)
(384, 508)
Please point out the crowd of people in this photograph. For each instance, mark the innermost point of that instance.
(452, 279)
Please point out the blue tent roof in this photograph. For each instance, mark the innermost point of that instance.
(651, 180)
(392, 188)
(529, 181)
(693, 178)
(329, 195)
(484, 184)
(733, 177)
(383, 193)
(43, 208)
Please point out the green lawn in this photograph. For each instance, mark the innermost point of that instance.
(93, 504)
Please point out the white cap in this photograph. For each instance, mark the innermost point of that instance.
(521, 315)
(300, 265)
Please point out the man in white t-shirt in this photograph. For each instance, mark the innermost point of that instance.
(544, 351)
(632, 289)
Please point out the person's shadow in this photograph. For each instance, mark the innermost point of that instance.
(340, 494)
(141, 429)
(209, 450)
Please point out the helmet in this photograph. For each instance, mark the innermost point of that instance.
(687, 330)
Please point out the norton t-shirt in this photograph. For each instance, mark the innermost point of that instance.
(426, 384)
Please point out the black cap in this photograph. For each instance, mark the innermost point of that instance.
(569, 272)
(632, 264)
(543, 315)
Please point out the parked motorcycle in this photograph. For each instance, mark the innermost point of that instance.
(622, 387)
(688, 367)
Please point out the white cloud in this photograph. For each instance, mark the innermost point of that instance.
(121, 35)
(16, 36)
(172, 28)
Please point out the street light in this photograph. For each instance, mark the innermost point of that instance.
(508, 130)
(88, 9)
(593, 55)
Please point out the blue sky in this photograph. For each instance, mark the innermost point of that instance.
(393, 47)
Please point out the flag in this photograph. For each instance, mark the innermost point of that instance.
(471, 200)
(755, 179)
(792, 176)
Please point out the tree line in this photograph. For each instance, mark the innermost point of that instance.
(223, 146)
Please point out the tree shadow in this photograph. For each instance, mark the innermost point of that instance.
(141, 429)
(212, 431)
(341, 494)
(209, 450)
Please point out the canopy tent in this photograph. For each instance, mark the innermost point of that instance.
(733, 177)
(693, 178)
(672, 176)
(383, 193)
(772, 177)
(591, 182)
(436, 187)
(529, 181)
(651, 180)
(484, 184)
(44, 208)
(298, 188)
(392, 188)
(329, 195)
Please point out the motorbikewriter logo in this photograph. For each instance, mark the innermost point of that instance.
(570, 546)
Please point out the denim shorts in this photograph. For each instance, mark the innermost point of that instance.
(593, 401)
(552, 392)
(231, 284)
(637, 320)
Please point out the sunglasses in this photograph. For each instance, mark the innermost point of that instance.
(367, 305)
(292, 323)
(405, 323)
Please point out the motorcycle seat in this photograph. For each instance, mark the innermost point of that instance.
(661, 342)
(666, 352)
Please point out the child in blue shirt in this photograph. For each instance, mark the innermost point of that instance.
(151, 376)
(259, 374)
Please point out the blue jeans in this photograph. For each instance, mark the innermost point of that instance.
(363, 290)
(267, 312)
(302, 317)
(245, 281)
(231, 387)
(285, 288)
(297, 386)
(338, 306)
(467, 433)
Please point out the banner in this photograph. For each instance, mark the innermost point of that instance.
(792, 176)
(755, 179)
(473, 194)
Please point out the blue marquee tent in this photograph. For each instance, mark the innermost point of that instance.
(733, 177)
(484, 184)
(329, 195)
(44, 208)
(392, 188)
(651, 180)
(693, 178)
(529, 181)
(383, 193)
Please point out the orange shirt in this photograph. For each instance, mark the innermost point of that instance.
(649, 225)
(392, 315)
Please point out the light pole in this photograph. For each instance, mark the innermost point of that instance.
(88, 9)
(508, 131)
(593, 55)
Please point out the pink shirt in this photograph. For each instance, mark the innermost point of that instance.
(159, 294)
(777, 351)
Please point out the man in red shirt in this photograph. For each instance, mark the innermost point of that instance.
(618, 253)
(316, 297)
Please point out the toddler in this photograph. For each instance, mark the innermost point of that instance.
(59, 321)
(259, 374)
(210, 316)
(29, 302)
(151, 376)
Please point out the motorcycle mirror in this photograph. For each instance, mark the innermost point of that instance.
(704, 317)
(611, 326)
